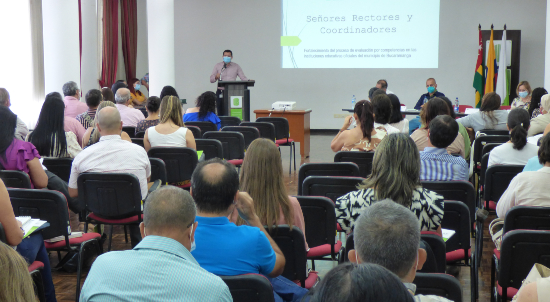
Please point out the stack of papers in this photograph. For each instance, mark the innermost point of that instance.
(29, 224)
(59, 238)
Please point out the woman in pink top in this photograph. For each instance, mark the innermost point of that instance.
(262, 178)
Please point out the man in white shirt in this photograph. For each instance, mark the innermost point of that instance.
(382, 113)
(112, 155)
(130, 117)
(21, 129)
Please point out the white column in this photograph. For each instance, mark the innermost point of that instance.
(61, 43)
(90, 56)
(547, 50)
(160, 28)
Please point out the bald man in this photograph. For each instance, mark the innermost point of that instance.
(130, 117)
(112, 154)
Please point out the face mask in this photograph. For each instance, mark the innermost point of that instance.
(137, 87)
(227, 60)
(431, 89)
(523, 94)
(193, 245)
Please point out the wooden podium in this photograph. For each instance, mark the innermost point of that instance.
(298, 122)
(236, 98)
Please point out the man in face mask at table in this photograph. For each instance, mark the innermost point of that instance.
(225, 71)
(432, 93)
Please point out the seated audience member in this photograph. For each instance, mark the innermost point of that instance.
(352, 282)
(152, 106)
(112, 154)
(171, 131)
(397, 120)
(461, 129)
(529, 188)
(262, 178)
(21, 130)
(168, 90)
(31, 249)
(382, 109)
(49, 136)
(73, 105)
(164, 254)
(387, 226)
(93, 98)
(92, 135)
(205, 111)
(138, 99)
(435, 163)
(533, 163)
(433, 108)
(395, 175)
(537, 291)
(108, 94)
(364, 137)
(371, 92)
(247, 248)
(534, 107)
(19, 155)
(489, 115)
(431, 86)
(543, 119)
(130, 116)
(117, 85)
(383, 84)
(516, 151)
(523, 92)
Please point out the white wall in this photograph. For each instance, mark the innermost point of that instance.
(90, 56)
(160, 42)
(142, 56)
(547, 50)
(203, 29)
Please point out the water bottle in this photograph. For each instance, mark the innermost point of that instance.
(456, 106)
(353, 102)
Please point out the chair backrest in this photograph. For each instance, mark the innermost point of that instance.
(319, 219)
(326, 169)
(267, 130)
(110, 195)
(140, 134)
(482, 140)
(527, 218)
(519, 251)
(455, 190)
(329, 186)
(3, 234)
(457, 218)
(280, 123)
(47, 205)
(497, 179)
(232, 142)
(249, 133)
(197, 133)
(138, 141)
(292, 244)
(441, 285)
(249, 288)
(211, 148)
(437, 246)
(495, 132)
(158, 170)
(362, 159)
(15, 179)
(204, 126)
(180, 163)
(229, 121)
(484, 165)
(131, 131)
(489, 147)
(59, 166)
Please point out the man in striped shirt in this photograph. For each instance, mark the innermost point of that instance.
(435, 163)
(93, 98)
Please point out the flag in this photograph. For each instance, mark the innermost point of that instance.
(490, 64)
(501, 88)
(478, 75)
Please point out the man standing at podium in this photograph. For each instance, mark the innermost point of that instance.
(225, 71)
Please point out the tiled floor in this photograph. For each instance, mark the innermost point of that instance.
(65, 283)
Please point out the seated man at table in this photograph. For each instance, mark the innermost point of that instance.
(112, 154)
(431, 85)
(226, 249)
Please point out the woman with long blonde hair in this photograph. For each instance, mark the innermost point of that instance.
(262, 178)
(171, 131)
(15, 280)
(92, 135)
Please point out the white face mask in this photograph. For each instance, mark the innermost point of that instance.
(193, 245)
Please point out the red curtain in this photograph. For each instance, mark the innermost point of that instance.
(110, 43)
(128, 28)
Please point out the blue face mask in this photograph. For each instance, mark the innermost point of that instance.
(137, 87)
(227, 60)
(431, 89)
(523, 94)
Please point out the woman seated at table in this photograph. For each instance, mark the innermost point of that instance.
(92, 135)
(489, 115)
(171, 131)
(205, 111)
(524, 96)
(431, 109)
(364, 137)
(152, 106)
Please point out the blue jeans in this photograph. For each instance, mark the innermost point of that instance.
(286, 290)
(32, 249)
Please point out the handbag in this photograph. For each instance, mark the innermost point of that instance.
(495, 229)
(538, 271)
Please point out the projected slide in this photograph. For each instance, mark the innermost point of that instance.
(360, 34)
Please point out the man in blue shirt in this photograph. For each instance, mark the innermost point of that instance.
(435, 163)
(160, 267)
(226, 249)
(432, 93)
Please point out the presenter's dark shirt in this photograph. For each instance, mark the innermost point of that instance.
(427, 95)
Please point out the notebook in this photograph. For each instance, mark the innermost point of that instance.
(447, 234)
(29, 224)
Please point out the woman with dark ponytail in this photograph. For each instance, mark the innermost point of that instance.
(364, 137)
(516, 151)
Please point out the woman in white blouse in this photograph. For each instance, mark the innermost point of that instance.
(397, 120)
(171, 131)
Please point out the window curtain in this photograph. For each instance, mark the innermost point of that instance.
(110, 43)
(128, 26)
